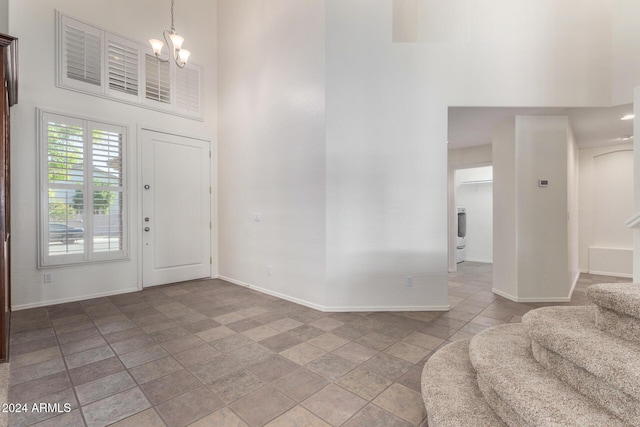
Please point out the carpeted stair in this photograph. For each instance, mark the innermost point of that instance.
(562, 366)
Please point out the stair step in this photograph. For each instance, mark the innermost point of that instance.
(618, 308)
(450, 391)
(505, 365)
(618, 324)
(620, 297)
(616, 401)
(571, 333)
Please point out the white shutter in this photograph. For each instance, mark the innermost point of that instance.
(63, 239)
(188, 90)
(83, 197)
(98, 62)
(123, 66)
(81, 55)
(107, 154)
(157, 80)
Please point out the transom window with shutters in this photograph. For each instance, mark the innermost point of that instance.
(83, 196)
(95, 61)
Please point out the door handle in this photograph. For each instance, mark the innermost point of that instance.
(146, 187)
(147, 229)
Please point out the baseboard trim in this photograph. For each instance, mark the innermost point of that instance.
(517, 299)
(482, 261)
(504, 294)
(573, 286)
(73, 299)
(272, 293)
(609, 273)
(390, 308)
(338, 309)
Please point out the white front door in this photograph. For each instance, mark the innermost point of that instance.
(176, 208)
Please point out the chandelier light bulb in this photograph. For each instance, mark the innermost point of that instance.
(177, 41)
(156, 45)
(183, 55)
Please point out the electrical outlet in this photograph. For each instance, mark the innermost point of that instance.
(409, 281)
(257, 216)
(269, 270)
(48, 277)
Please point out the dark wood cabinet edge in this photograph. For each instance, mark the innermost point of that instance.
(10, 59)
(9, 67)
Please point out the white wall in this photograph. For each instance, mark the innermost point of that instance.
(386, 164)
(505, 226)
(271, 80)
(636, 185)
(33, 22)
(625, 50)
(606, 203)
(533, 53)
(4, 16)
(573, 208)
(533, 257)
(477, 199)
(385, 131)
(542, 236)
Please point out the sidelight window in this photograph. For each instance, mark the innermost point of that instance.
(83, 196)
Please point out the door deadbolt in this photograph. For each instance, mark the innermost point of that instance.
(147, 186)
(146, 219)
(147, 229)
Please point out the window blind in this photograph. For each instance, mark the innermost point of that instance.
(122, 67)
(188, 88)
(82, 49)
(158, 80)
(98, 62)
(83, 213)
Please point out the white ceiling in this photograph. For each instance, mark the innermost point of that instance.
(470, 126)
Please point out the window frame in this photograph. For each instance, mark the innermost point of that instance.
(88, 255)
(154, 103)
(63, 79)
(126, 43)
(104, 90)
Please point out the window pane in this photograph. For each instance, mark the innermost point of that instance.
(83, 218)
(123, 68)
(66, 234)
(83, 55)
(158, 80)
(65, 153)
(107, 159)
(188, 89)
(65, 159)
(107, 221)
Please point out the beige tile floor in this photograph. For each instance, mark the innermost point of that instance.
(209, 353)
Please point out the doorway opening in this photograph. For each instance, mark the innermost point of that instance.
(473, 215)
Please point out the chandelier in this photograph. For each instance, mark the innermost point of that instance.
(180, 55)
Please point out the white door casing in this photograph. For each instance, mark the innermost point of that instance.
(176, 208)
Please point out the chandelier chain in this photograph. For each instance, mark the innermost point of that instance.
(173, 28)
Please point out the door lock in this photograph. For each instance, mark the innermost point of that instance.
(146, 219)
(147, 186)
(147, 229)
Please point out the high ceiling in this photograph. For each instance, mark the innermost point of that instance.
(470, 126)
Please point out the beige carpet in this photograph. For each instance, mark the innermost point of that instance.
(562, 366)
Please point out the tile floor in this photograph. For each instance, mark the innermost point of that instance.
(209, 353)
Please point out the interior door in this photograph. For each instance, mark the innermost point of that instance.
(176, 208)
